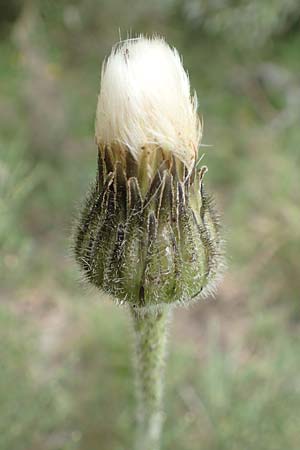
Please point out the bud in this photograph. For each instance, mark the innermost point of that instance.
(148, 234)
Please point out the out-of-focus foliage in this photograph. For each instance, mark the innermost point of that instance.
(246, 23)
(17, 181)
(10, 10)
(232, 379)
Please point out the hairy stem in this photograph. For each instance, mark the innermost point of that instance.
(150, 332)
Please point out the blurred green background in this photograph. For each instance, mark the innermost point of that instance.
(66, 379)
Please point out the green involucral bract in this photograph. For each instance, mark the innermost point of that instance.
(148, 234)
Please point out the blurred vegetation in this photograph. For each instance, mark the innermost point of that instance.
(233, 374)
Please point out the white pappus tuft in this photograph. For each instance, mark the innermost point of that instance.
(145, 100)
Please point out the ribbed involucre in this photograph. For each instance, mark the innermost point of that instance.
(148, 236)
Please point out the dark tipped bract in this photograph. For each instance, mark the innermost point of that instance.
(148, 241)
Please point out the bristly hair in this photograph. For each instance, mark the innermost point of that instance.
(145, 100)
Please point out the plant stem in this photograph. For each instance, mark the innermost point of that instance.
(150, 332)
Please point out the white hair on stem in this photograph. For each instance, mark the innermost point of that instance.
(145, 99)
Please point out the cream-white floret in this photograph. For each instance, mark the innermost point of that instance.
(145, 99)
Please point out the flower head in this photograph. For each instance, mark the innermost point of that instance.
(148, 234)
